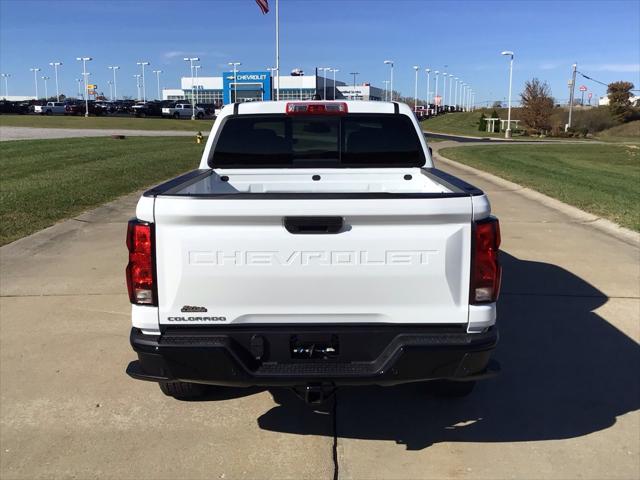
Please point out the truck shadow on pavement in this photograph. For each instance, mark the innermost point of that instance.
(566, 372)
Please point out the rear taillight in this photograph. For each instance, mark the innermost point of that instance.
(140, 270)
(485, 265)
(315, 108)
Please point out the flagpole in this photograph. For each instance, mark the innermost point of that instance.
(277, 52)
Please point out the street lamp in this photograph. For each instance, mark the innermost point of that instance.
(334, 70)
(507, 53)
(355, 74)
(55, 66)
(110, 83)
(324, 81)
(390, 62)
(450, 87)
(415, 90)
(6, 83)
(193, 106)
(144, 87)
(455, 102)
(46, 92)
(428, 70)
(234, 90)
(35, 78)
(84, 61)
(137, 77)
(196, 68)
(158, 72)
(435, 94)
(386, 87)
(115, 83)
(444, 89)
(79, 80)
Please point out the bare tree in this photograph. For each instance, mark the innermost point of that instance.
(537, 105)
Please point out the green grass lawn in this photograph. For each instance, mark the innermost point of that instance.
(460, 123)
(44, 181)
(130, 123)
(601, 179)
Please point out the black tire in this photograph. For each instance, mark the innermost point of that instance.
(176, 116)
(183, 390)
(199, 116)
(450, 389)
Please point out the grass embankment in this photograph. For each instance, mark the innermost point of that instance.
(128, 123)
(627, 133)
(601, 179)
(459, 123)
(44, 181)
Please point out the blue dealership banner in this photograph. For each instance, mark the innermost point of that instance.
(255, 85)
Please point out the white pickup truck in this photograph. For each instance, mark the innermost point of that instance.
(50, 108)
(183, 110)
(315, 246)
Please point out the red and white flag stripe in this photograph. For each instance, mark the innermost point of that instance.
(264, 5)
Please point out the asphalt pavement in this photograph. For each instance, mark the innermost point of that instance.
(565, 405)
(32, 133)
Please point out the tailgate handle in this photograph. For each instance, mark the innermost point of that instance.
(313, 225)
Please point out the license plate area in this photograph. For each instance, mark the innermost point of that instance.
(314, 346)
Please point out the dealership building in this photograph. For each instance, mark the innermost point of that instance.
(252, 86)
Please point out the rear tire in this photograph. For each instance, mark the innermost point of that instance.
(451, 389)
(199, 116)
(183, 390)
(176, 116)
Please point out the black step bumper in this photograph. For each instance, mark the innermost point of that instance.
(359, 355)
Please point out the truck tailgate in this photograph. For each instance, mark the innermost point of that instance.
(232, 261)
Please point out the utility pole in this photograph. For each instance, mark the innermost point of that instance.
(144, 89)
(386, 88)
(193, 105)
(46, 92)
(6, 83)
(572, 86)
(435, 95)
(390, 63)
(428, 70)
(334, 82)
(35, 78)
(158, 72)
(84, 61)
(415, 90)
(507, 133)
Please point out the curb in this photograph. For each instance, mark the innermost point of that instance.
(607, 226)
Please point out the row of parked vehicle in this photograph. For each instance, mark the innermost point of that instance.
(170, 109)
(424, 112)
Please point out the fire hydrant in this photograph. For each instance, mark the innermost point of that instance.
(199, 137)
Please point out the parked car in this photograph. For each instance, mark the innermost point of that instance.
(49, 108)
(183, 110)
(10, 107)
(315, 246)
(147, 109)
(78, 108)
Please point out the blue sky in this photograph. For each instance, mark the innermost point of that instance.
(468, 36)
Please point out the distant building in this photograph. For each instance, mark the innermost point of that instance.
(604, 101)
(252, 86)
(17, 98)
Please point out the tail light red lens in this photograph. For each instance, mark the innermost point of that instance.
(486, 271)
(308, 108)
(140, 270)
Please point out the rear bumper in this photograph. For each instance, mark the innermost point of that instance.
(262, 355)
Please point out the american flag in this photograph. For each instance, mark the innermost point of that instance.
(264, 5)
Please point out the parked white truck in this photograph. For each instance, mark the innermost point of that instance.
(315, 246)
(183, 110)
(50, 108)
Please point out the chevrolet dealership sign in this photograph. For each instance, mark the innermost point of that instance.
(247, 85)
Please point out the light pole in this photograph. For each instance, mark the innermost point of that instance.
(428, 70)
(386, 88)
(324, 81)
(84, 61)
(193, 105)
(415, 89)
(144, 86)
(115, 83)
(455, 102)
(6, 83)
(79, 80)
(390, 63)
(55, 66)
(272, 71)
(355, 74)
(158, 72)
(444, 89)
(572, 86)
(435, 95)
(35, 78)
(196, 68)
(334, 70)
(450, 87)
(110, 83)
(234, 91)
(137, 77)
(46, 91)
(508, 53)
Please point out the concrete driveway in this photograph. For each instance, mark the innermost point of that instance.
(565, 406)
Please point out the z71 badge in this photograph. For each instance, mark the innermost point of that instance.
(192, 309)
